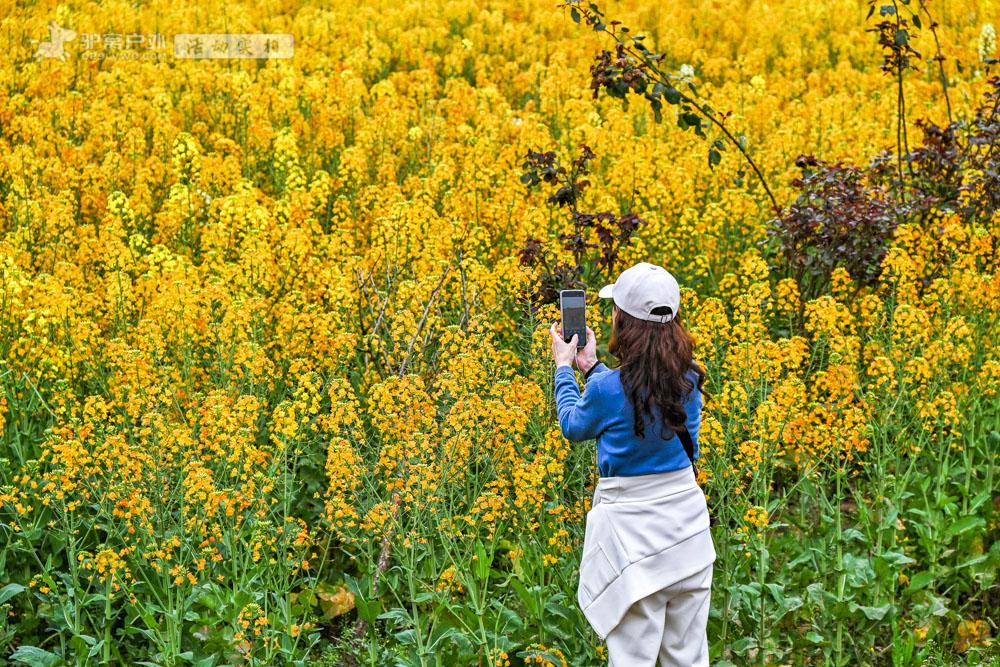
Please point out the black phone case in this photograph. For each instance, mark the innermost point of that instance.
(581, 340)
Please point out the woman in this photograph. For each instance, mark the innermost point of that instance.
(646, 569)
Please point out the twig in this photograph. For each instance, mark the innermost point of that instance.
(939, 58)
(465, 302)
(423, 320)
(385, 550)
(663, 78)
(378, 321)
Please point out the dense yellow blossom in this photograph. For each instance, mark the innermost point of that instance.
(262, 321)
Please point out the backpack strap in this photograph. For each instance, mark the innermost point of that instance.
(689, 449)
(683, 434)
(685, 438)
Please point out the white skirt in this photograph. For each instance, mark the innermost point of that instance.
(643, 534)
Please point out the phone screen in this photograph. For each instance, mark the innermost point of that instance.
(574, 317)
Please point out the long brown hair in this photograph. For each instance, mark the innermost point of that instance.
(655, 358)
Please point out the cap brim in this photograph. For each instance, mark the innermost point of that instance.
(605, 292)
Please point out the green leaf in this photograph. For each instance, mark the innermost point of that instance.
(425, 596)
(527, 596)
(819, 596)
(95, 649)
(36, 657)
(9, 591)
(853, 534)
(896, 558)
(714, 158)
(559, 610)
(975, 560)
(872, 613)
(980, 500)
(688, 119)
(510, 617)
(447, 635)
(920, 580)
(916, 22)
(574, 13)
(859, 570)
(965, 524)
(367, 609)
(482, 562)
(937, 606)
(741, 646)
(805, 557)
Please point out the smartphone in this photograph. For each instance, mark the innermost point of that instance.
(572, 303)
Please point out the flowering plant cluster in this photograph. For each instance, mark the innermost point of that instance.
(275, 385)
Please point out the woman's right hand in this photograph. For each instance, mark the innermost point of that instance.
(586, 356)
(562, 350)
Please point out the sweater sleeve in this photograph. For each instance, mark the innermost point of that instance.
(580, 417)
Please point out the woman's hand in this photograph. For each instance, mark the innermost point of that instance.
(562, 352)
(586, 357)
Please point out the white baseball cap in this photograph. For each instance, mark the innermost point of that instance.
(642, 288)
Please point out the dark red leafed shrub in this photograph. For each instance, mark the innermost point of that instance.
(955, 168)
(983, 185)
(595, 240)
(839, 218)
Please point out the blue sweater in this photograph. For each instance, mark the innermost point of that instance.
(604, 412)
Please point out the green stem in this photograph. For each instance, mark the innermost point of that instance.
(841, 575)
(106, 655)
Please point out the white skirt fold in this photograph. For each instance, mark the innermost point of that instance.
(643, 534)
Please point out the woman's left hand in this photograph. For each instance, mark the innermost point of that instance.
(562, 352)
(586, 356)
